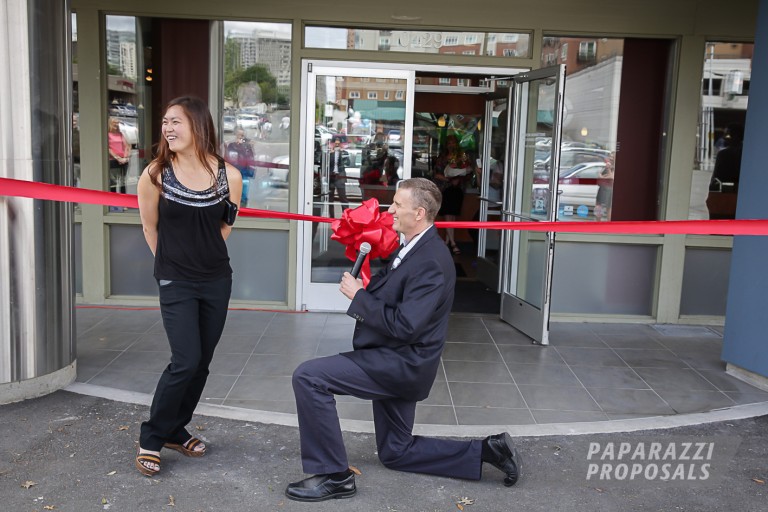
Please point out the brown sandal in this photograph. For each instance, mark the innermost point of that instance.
(188, 448)
(143, 458)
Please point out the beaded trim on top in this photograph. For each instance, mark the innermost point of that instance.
(175, 191)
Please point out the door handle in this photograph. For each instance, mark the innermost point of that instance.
(518, 216)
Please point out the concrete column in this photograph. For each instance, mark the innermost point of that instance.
(745, 345)
(36, 288)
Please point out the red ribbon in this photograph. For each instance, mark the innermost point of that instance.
(46, 191)
(366, 223)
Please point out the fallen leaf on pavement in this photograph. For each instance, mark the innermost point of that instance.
(28, 484)
(111, 473)
(49, 507)
(355, 470)
(123, 427)
(757, 480)
(463, 501)
(171, 501)
(200, 427)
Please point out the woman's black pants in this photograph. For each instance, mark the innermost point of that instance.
(193, 316)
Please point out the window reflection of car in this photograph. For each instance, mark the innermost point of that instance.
(247, 121)
(323, 134)
(229, 123)
(577, 186)
(278, 176)
(123, 111)
(570, 156)
(353, 173)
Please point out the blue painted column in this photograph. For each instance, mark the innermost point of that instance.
(745, 343)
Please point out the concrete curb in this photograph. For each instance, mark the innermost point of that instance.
(734, 413)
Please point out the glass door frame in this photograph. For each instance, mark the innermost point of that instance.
(488, 206)
(326, 296)
(518, 312)
(307, 293)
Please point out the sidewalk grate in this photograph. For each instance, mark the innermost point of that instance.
(686, 331)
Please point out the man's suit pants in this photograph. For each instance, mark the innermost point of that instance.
(337, 186)
(316, 382)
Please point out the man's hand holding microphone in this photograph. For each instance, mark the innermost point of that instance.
(350, 284)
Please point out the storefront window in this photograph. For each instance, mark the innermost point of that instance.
(420, 41)
(590, 121)
(724, 98)
(256, 119)
(75, 111)
(126, 76)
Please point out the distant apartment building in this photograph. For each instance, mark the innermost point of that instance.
(128, 60)
(267, 49)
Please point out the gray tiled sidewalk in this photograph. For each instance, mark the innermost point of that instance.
(491, 374)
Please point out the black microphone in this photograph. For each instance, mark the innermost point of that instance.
(365, 248)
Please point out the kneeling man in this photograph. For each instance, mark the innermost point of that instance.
(402, 319)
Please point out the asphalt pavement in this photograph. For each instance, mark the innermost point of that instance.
(73, 452)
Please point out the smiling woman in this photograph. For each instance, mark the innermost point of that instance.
(186, 233)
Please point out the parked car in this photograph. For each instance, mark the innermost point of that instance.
(229, 123)
(323, 135)
(570, 156)
(577, 187)
(279, 176)
(123, 111)
(248, 121)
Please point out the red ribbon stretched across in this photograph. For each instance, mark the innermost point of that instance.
(366, 223)
(752, 227)
(46, 191)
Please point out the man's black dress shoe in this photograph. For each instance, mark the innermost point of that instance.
(322, 487)
(503, 455)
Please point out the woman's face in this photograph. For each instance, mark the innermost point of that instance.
(114, 125)
(177, 130)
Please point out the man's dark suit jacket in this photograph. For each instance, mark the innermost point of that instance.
(343, 161)
(402, 319)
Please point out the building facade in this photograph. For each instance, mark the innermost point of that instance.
(640, 83)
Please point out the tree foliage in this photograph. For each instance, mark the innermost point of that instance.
(235, 76)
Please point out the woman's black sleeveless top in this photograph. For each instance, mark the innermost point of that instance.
(189, 242)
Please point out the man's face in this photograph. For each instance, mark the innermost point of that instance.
(407, 217)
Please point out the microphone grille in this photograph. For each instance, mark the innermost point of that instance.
(365, 247)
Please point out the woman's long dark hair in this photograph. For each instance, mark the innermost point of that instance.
(203, 135)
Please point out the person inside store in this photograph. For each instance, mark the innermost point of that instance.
(338, 160)
(119, 156)
(728, 161)
(187, 203)
(724, 186)
(453, 167)
(239, 153)
(402, 322)
(391, 164)
(604, 197)
(373, 157)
